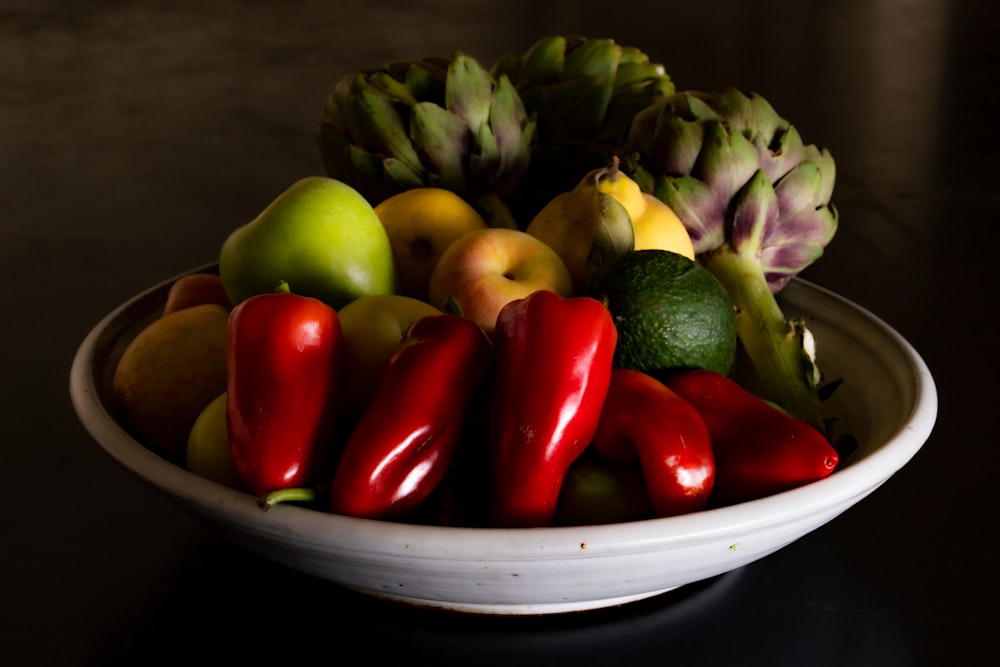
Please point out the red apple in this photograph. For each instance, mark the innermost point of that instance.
(196, 289)
(487, 269)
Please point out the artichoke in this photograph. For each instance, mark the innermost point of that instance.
(434, 122)
(584, 93)
(756, 202)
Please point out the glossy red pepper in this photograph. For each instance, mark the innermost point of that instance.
(643, 420)
(284, 356)
(553, 369)
(759, 450)
(407, 438)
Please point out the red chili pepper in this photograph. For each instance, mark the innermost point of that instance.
(407, 438)
(644, 420)
(553, 369)
(759, 450)
(284, 355)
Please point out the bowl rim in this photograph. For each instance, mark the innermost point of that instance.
(465, 543)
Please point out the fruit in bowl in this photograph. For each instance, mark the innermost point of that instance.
(887, 401)
(629, 333)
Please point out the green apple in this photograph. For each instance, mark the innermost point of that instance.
(597, 492)
(372, 328)
(321, 237)
(208, 445)
(485, 270)
(168, 373)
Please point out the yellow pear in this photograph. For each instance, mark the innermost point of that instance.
(656, 225)
(586, 228)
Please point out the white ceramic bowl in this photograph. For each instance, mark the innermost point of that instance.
(888, 401)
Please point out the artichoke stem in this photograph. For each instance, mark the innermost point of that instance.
(774, 345)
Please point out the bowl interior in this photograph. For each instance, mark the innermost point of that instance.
(887, 401)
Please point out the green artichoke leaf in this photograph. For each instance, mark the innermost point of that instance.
(508, 125)
(380, 127)
(425, 82)
(485, 165)
(543, 62)
(393, 88)
(367, 168)
(592, 59)
(398, 177)
(442, 140)
(677, 144)
(637, 72)
(575, 109)
(749, 113)
(469, 91)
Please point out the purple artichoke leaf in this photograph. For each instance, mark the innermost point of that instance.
(798, 190)
(814, 225)
(699, 207)
(754, 216)
(782, 262)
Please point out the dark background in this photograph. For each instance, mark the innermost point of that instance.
(135, 135)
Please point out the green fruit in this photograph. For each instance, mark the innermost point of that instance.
(373, 327)
(671, 313)
(597, 492)
(321, 237)
(208, 445)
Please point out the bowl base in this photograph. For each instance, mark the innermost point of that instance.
(515, 609)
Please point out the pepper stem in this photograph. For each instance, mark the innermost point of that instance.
(302, 495)
(778, 349)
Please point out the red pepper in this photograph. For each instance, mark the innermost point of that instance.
(759, 450)
(644, 420)
(284, 355)
(407, 438)
(553, 369)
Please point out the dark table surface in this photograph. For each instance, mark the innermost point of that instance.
(134, 136)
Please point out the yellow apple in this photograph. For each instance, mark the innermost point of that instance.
(421, 223)
(485, 270)
(372, 327)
